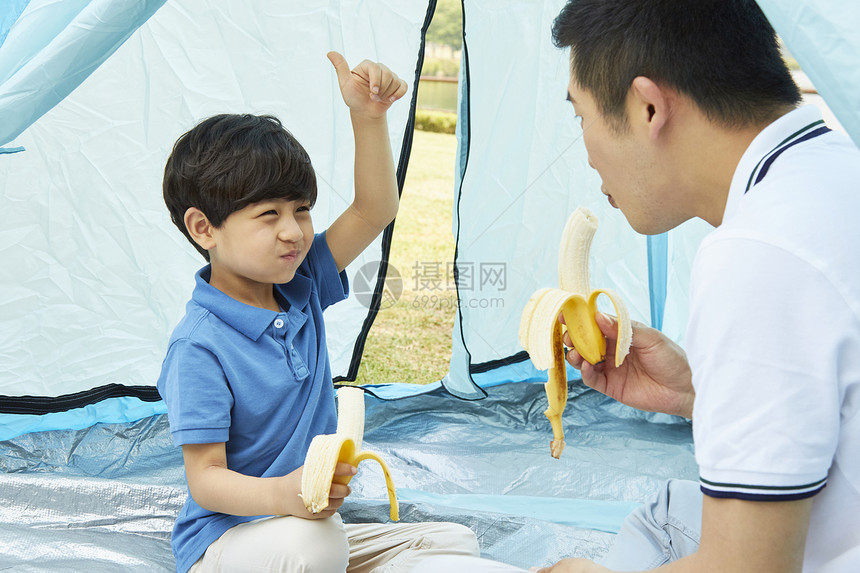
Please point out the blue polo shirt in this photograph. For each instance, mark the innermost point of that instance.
(256, 379)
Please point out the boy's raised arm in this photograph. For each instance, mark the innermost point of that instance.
(368, 90)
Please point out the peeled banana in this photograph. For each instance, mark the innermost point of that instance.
(541, 333)
(344, 445)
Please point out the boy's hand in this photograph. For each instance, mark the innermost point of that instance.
(369, 89)
(338, 492)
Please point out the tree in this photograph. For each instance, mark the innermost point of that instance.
(447, 25)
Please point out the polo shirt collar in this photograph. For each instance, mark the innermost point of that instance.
(297, 292)
(764, 143)
(250, 320)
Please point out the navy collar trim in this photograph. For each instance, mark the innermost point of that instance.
(806, 133)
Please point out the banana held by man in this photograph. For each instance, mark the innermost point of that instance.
(541, 332)
(344, 445)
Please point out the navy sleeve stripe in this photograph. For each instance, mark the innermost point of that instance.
(746, 496)
(717, 485)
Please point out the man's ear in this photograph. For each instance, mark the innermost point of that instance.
(199, 228)
(650, 105)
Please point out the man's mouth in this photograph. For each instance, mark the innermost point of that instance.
(608, 196)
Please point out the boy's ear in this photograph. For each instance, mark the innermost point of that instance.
(651, 105)
(199, 228)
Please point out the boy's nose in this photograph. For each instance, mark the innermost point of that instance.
(290, 230)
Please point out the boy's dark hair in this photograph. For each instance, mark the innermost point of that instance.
(228, 162)
(722, 54)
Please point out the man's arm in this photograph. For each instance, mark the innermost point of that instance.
(765, 536)
(217, 488)
(368, 90)
(737, 536)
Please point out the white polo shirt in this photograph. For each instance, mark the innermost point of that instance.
(774, 335)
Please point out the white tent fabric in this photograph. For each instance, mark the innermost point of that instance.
(822, 36)
(522, 170)
(94, 275)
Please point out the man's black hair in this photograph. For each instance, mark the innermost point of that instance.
(722, 54)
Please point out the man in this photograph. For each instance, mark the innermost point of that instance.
(688, 110)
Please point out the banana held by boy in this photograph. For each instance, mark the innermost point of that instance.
(344, 445)
(541, 332)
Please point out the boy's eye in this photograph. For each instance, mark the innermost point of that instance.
(304, 208)
(269, 212)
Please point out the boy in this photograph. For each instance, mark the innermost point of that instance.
(688, 110)
(246, 379)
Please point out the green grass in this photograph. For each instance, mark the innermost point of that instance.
(438, 121)
(411, 340)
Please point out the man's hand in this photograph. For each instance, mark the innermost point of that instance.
(655, 375)
(369, 89)
(572, 566)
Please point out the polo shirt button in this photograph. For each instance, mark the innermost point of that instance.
(279, 323)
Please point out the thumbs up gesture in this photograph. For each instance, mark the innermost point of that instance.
(370, 88)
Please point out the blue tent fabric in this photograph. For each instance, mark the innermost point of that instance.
(50, 52)
(112, 411)
(658, 253)
(69, 502)
(9, 14)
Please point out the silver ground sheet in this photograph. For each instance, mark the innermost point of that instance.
(104, 498)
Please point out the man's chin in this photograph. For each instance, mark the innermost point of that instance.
(651, 227)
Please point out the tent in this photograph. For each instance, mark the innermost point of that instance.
(93, 276)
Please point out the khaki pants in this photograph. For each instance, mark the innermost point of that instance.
(330, 546)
